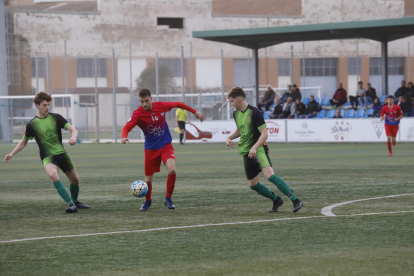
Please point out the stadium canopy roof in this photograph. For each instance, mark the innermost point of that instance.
(384, 31)
(379, 30)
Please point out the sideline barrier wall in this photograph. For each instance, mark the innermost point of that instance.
(305, 130)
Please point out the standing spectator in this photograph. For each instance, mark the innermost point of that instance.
(406, 106)
(278, 110)
(300, 109)
(180, 117)
(410, 92)
(268, 99)
(377, 107)
(286, 95)
(296, 93)
(360, 93)
(312, 108)
(371, 92)
(339, 98)
(401, 91)
(288, 109)
(337, 114)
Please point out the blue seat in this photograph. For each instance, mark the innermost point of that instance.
(347, 104)
(382, 98)
(265, 116)
(342, 112)
(317, 99)
(369, 113)
(320, 115)
(330, 114)
(306, 101)
(325, 101)
(350, 113)
(359, 113)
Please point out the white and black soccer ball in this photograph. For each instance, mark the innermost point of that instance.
(139, 188)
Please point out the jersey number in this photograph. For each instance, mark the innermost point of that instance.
(154, 118)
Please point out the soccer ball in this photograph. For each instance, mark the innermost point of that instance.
(139, 188)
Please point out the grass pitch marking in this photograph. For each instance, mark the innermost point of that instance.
(193, 226)
(327, 211)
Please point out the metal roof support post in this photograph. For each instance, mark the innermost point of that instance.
(4, 91)
(384, 66)
(256, 74)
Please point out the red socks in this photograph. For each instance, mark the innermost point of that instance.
(148, 195)
(389, 147)
(170, 184)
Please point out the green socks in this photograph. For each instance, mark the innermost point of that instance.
(62, 192)
(74, 192)
(264, 191)
(282, 186)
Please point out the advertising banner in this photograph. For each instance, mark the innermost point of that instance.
(407, 130)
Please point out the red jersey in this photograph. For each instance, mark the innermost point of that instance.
(391, 113)
(153, 124)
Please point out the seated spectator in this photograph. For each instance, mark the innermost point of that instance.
(376, 107)
(288, 109)
(406, 106)
(300, 109)
(371, 92)
(278, 110)
(359, 94)
(312, 108)
(296, 93)
(401, 91)
(268, 99)
(286, 95)
(337, 114)
(339, 98)
(410, 92)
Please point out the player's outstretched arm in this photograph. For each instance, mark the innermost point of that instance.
(74, 131)
(234, 135)
(18, 148)
(199, 116)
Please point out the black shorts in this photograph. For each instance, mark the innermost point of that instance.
(253, 167)
(62, 161)
(181, 124)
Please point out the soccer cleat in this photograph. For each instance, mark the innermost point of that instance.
(146, 205)
(80, 205)
(390, 154)
(297, 204)
(168, 202)
(72, 209)
(276, 204)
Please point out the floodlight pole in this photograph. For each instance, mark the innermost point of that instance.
(114, 95)
(256, 74)
(4, 110)
(384, 65)
(291, 64)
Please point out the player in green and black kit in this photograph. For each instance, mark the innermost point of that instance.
(46, 129)
(251, 128)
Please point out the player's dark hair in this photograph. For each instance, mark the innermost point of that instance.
(42, 96)
(236, 92)
(390, 97)
(360, 82)
(144, 93)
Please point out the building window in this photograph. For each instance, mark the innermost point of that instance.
(41, 67)
(283, 66)
(320, 67)
(354, 66)
(395, 66)
(174, 66)
(172, 23)
(86, 99)
(61, 102)
(85, 67)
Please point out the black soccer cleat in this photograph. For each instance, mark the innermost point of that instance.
(297, 204)
(80, 205)
(276, 204)
(168, 202)
(72, 209)
(146, 205)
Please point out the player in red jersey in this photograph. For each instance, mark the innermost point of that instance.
(393, 114)
(150, 117)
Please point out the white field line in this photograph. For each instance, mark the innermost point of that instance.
(193, 226)
(327, 211)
